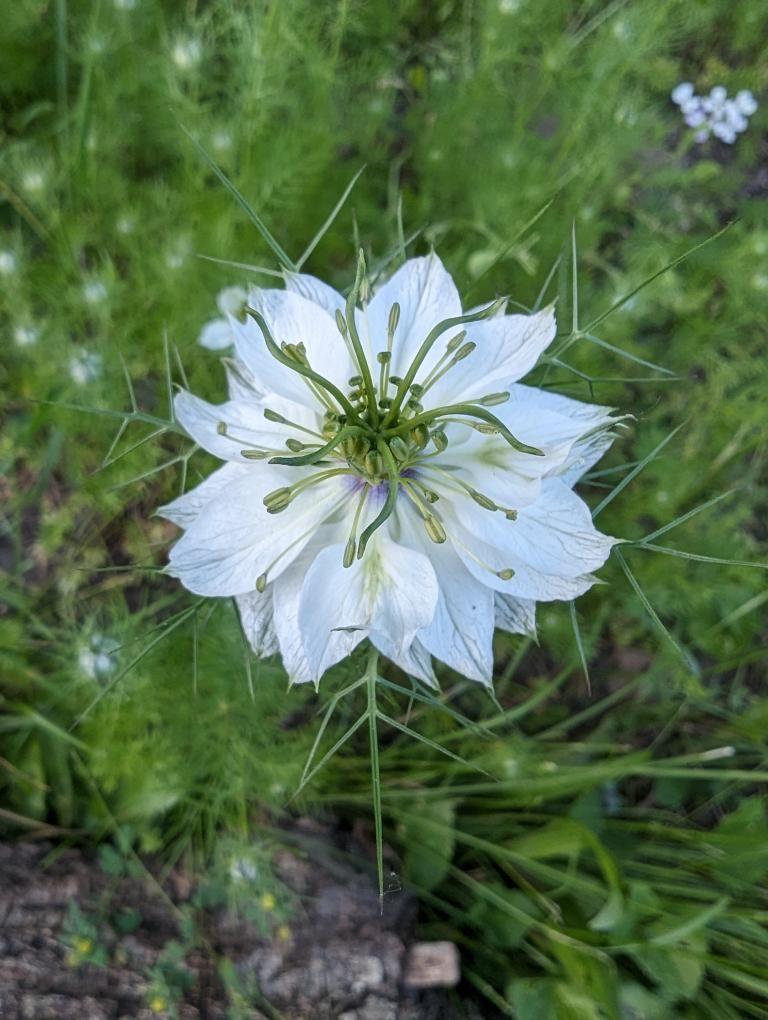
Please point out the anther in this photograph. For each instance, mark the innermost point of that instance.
(454, 342)
(420, 436)
(277, 500)
(384, 357)
(394, 318)
(506, 575)
(296, 446)
(255, 454)
(417, 390)
(511, 515)
(261, 583)
(374, 464)
(440, 440)
(274, 416)
(399, 448)
(341, 323)
(349, 553)
(355, 381)
(481, 500)
(395, 380)
(221, 428)
(464, 352)
(434, 529)
(494, 398)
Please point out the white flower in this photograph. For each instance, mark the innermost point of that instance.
(682, 93)
(8, 263)
(97, 658)
(714, 114)
(84, 367)
(25, 336)
(186, 53)
(94, 292)
(387, 477)
(217, 334)
(745, 102)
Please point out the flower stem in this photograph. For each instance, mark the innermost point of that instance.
(371, 678)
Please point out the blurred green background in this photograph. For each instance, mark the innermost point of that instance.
(614, 866)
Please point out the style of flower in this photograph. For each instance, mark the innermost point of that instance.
(388, 477)
(217, 334)
(715, 114)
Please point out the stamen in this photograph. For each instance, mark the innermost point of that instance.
(351, 546)
(261, 580)
(494, 398)
(432, 524)
(253, 452)
(278, 419)
(277, 500)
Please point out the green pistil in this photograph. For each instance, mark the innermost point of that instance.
(301, 369)
(432, 337)
(389, 505)
(360, 358)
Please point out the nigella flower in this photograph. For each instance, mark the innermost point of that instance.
(388, 477)
(217, 334)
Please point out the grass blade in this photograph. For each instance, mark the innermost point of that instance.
(635, 472)
(282, 257)
(329, 221)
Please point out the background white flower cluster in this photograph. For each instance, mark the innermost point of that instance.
(715, 114)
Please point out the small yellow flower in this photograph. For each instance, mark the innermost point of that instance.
(267, 902)
(284, 933)
(158, 1004)
(83, 946)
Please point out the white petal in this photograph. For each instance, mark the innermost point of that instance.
(294, 319)
(234, 540)
(516, 616)
(257, 619)
(231, 300)
(184, 510)
(240, 383)
(552, 546)
(682, 92)
(460, 633)
(508, 347)
(389, 595)
(247, 428)
(546, 419)
(315, 290)
(426, 295)
(216, 335)
(415, 661)
(269, 376)
(288, 592)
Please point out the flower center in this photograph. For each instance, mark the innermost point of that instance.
(379, 431)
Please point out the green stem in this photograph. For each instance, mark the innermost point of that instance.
(371, 679)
